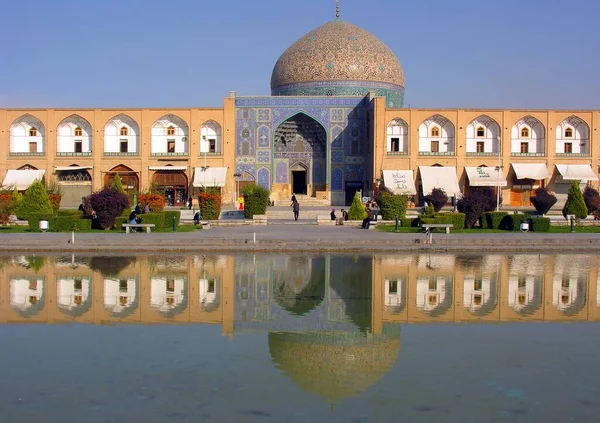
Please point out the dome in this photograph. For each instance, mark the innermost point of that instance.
(334, 366)
(339, 59)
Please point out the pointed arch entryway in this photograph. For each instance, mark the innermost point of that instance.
(129, 178)
(300, 156)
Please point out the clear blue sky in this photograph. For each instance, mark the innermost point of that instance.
(191, 53)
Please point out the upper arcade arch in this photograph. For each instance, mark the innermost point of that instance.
(27, 136)
(528, 137)
(573, 137)
(483, 137)
(397, 137)
(121, 136)
(170, 136)
(436, 136)
(74, 137)
(210, 138)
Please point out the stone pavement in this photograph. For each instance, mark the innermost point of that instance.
(296, 238)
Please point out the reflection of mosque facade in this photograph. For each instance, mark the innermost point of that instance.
(333, 321)
(334, 123)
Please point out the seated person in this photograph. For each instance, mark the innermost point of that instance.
(132, 219)
(344, 215)
(197, 218)
(332, 214)
(367, 220)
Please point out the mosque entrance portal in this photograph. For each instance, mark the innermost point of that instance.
(299, 181)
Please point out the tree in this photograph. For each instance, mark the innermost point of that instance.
(108, 205)
(117, 184)
(475, 203)
(543, 200)
(438, 198)
(209, 201)
(592, 199)
(575, 203)
(392, 205)
(356, 210)
(35, 200)
(256, 200)
(16, 198)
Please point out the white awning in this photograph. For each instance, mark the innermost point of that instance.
(485, 177)
(167, 168)
(577, 172)
(61, 168)
(439, 177)
(210, 176)
(533, 171)
(399, 181)
(21, 179)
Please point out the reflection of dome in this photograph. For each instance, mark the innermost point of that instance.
(339, 59)
(335, 366)
(300, 288)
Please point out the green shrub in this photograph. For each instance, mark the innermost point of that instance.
(157, 218)
(357, 210)
(34, 221)
(209, 202)
(119, 221)
(117, 184)
(35, 200)
(392, 205)
(540, 224)
(169, 215)
(443, 218)
(70, 223)
(68, 212)
(16, 199)
(410, 222)
(512, 222)
(427, 220)
(256, 200)
(492, 220)
(575, 203)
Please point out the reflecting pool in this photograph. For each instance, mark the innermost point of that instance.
(305, 338)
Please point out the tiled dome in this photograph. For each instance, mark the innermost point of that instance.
(337, 53)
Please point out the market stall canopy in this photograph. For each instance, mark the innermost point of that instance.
(21, 179)
(61, 168)
(534, 171)
(209, 176)
(577, 172)
(439, 177)
(399, 181)
(167, 168)
(485, 177)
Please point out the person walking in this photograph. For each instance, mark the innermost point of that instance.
(293, 199)
(296, 209)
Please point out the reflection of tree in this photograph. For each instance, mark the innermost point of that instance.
(35, 263)
(351, 278)
(312, 291)
(110, 266)
(473, 262)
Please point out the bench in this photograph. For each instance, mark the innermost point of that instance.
(128, 226)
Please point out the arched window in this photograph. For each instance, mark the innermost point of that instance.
(435, 131)
(33, 132)
(569, 133)
(124, 131)
(524, 132)
(78, 132)
(170, 130)
(480, 132)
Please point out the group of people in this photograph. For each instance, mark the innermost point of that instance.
(339, 220)
(133, 216)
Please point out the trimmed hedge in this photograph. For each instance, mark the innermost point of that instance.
(157, 218)
(67, 212)
(456, 219)
(119, 221)
(70, 223)
(512, 222)
(256, 200)
(34, 220)
(540, 224)
(492, 220)
(392, 205)
(169, 214)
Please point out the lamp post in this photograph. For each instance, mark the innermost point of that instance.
(237, 177)
(204, 148)
(498, 168)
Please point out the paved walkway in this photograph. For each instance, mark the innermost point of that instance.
(296, 237)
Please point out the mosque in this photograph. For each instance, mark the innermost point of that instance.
(335, 123)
